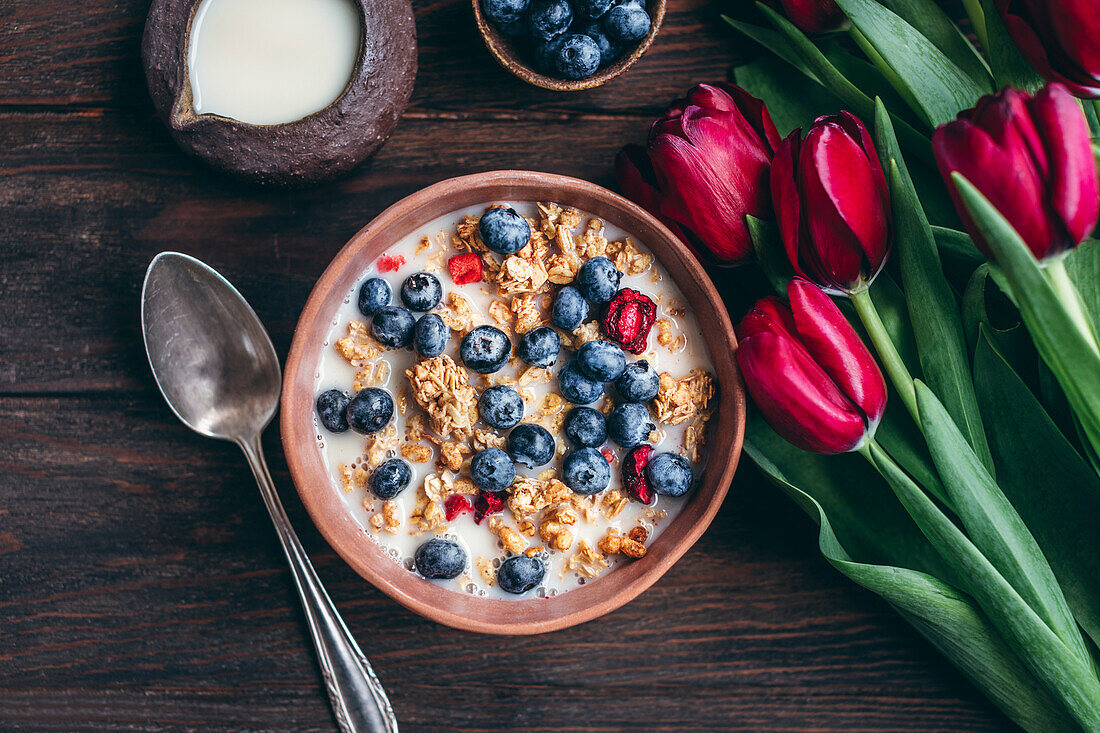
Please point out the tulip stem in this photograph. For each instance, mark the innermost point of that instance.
(1060, 280)
(976, 14)
(891, 360)
(887, 71)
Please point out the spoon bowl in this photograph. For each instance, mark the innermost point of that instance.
(210, 355)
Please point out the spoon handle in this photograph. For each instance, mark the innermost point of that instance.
(358, 700)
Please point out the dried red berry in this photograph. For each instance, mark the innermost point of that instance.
(465, 268)
(608, 455)
(634, 474)
(628, 318)
(390, 263)
(488, 502)
(456, 504)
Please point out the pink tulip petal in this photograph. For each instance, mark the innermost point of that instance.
(796, 396)
(1073, 187)
(1058, 39)
(832, 342)
(636, 180)
(813, 16)
(768, 315)
(785, 198)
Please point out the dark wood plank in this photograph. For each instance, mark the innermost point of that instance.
(143, 589)
(86, 52)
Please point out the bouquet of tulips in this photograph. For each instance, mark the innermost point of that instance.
(926, 379)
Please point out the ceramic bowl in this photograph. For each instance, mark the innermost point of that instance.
(505, 52)
(355, 545)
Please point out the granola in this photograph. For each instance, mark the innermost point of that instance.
(442, 388)
(679, 399)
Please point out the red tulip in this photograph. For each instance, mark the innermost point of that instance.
(1032, 158)
(809, 373)
(705, 167)
(831, 200)
(1059, 38)
(812, 16)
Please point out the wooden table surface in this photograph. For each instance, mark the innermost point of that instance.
(141, 585)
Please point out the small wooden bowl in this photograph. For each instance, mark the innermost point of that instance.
(504, 51)
(362, 553)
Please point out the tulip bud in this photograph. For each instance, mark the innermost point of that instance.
(1059, 38)
(812, 16)
(1032, 158)
(832, 204)
(705, 167)
(808, 372)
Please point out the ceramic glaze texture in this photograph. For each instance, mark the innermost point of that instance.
(268, 62)
(675, 346)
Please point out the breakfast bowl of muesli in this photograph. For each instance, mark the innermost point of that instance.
(511, 402)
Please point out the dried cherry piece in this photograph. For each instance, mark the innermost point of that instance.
(465, 268)
(488, 502)
(608, 454)
(391, 263)
(628, 318)
(456, 504)
(634, 474)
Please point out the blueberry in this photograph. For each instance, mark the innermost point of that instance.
(626, 23)
(629, 424)
(515, 29)
(485, 349)
(500, 407)
(531, 445)
(669, 474)
(639, 383)
(492, 470)
(576, 386)
(430, 335)
(591, 9)
(440, 558)
(504, 11)
(332, 410)
(421, 291)
(520, 574)
(504, 231)
(578, 57)
(570, 309)
(374, 293)
(609, 50)
(393, 326)
(586, 471)
(585, 427)
(539, 347)
(598, 280)
(546, 54)
(549, 18)
(601, 360)
(370, 410)
(390, 479)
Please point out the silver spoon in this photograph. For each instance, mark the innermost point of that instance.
(216, 367)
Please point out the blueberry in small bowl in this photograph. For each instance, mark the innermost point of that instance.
(570, 309)
(485, 349)
(520, 574)
(500, 407)
(504, 230)
(504, 12)
(430, 335)
(539, 347)
(390, 479)
(549, 18)
(531, 445)
(492, 470)
(626, 23)
(578, 57)
(585, 427)
(440, 559)
(421, 291)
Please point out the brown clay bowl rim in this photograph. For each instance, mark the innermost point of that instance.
(353, 543)
(503, 51)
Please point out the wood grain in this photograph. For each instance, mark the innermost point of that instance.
(140, 585)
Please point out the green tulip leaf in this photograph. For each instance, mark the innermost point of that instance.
(1083, 265)
(993, 524)
(848, 93)
(791, 101)
(1061, 340)
(949, 619)
(957, 245)
(1008, 64)
(934, 24)
(1056, 493)
(986, 306)
(770, 254)
(923, 74)
(1063, 672)
(933, 310)
(868, 78)
(775, 42)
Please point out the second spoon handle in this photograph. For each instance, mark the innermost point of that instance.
(358, 700)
